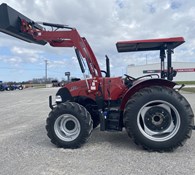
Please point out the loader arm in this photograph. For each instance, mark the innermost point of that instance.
(69, 37)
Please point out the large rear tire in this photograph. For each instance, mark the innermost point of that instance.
(69, 125)
(158, 119)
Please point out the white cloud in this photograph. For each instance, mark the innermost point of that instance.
(23, 51)
(104, 23)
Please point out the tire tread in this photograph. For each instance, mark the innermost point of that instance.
(70, 107)
(150, 90)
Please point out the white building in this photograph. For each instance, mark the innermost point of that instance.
(185, 70)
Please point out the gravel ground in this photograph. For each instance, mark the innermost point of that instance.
(26, 149)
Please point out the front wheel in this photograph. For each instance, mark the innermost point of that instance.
(69, 125)
(158, 118)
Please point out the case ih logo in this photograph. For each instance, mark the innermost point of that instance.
(178, 70)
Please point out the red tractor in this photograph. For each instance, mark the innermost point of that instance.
(154, 114)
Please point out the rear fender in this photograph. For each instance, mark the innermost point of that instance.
(143, 84)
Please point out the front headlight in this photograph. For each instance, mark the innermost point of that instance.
(58, 99)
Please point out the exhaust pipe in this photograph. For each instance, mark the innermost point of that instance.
(107, 66)
(10, 23)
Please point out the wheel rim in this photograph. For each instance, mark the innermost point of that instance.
(158, 120)
(67, 127)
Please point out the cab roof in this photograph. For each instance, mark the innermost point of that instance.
(149, 44)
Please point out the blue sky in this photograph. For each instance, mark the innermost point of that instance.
(103, 24)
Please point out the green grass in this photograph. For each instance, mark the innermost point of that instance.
(192, 90)
(185, 82)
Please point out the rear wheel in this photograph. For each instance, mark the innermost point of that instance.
(158, 118)
(69, 125)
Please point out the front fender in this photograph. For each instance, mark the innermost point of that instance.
(142, 84)
(64, 94)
